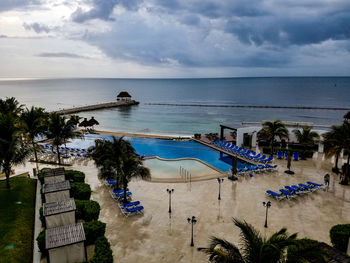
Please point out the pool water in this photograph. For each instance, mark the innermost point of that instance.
(167, 149)
(171, 169)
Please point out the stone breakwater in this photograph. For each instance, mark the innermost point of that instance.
(97, 107)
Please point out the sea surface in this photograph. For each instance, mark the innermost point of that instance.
(54, 94)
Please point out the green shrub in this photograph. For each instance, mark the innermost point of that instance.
(340, 236)
(42, 218)
(103, 252)
(93, 230)
(75, 176)
(41, 174)
(41, 241)
(80, 191)
(87, 210)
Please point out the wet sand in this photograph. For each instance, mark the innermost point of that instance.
(156, 237)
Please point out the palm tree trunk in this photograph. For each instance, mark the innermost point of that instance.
(272, 147)
(125, 184)
(346, 178)
(336, 161)
(7, 174)
(35, 153)
(58, 155)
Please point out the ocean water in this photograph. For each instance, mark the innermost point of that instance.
(54, 94)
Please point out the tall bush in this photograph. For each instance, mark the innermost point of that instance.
(93, 230)
(103, 252)
(339, 235)
(87, 210)
(80, 191)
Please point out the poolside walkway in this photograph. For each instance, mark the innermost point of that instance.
(156, 237)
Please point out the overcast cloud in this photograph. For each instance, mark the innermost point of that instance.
(175, 38)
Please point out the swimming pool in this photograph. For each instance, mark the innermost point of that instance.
(167, 149)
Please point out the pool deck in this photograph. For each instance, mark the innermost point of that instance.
(157, 237)
(225, 151)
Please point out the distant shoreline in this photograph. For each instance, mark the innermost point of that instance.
(144, 135)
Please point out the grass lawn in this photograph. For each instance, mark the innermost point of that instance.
(17, 209)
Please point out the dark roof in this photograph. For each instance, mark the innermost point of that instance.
(123, 94)
(64, 235)
(334, 255)
(54, 172)
(55, 187)
(59, 207)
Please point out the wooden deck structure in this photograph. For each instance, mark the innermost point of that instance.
(221, 150)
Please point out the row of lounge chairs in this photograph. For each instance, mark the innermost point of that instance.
(248, 169)
(127, 209)
(284, 155)
(64, 154)
(65, 149)
(245, 153)
(292, 191)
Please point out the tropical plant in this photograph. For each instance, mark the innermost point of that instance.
(304, 251)
(258, 249)
(11, 150)
(59, 131)
(333, 141)
(306, 138)
(118, 159)
(33, 122)
(10, 106)
(255, 248)
(336, 140)
(74, 119)
(271, 130)
(131, 167)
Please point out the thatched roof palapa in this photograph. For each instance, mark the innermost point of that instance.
(124, 94)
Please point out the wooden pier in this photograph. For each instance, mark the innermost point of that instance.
(100, 106)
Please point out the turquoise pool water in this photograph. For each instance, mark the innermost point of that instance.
(167, 149)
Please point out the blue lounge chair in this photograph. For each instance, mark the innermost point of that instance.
(120, 191)
(307, 187)
(295, 156)
(285, 155)
(260, 158)
(279, 155)
(268, 159)
(133, 210)
(274, 195)
(300, 190)
(292, 190)
(286, 193)
(131, 204)
(312, 184)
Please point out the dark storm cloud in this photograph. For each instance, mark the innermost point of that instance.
(38, 28)
(59, 55)
(291, 30)
(6, 5)
(103, 9)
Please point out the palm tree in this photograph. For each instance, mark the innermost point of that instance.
(10, 106)
(33, 123)
(118, 159)
(333, 141)
(306, 138)
(258, 249)
(304, 250)
(338, 139)
(255, 248)
(131, 167)
(59, 131)
(271, 130)
(11, 150)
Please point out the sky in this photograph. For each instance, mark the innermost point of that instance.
(174, 38)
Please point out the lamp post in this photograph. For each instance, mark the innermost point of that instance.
(267, 205)
(192, 221)
(170, 191)
(220, 180)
